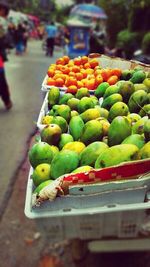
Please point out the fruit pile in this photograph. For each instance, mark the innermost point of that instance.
(72, 74)
(82, 131)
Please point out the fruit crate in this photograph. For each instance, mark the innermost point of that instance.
(118, 210)
(113, 212)
(104, 62)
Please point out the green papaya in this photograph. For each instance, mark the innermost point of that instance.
(117, 154)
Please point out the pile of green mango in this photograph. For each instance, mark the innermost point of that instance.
(86, 131)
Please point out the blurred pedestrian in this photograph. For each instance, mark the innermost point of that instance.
(19, 39)
(25, 35)
(96, 42)
(51, 32)
(4, 89)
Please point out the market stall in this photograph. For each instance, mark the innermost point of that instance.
(90, 168)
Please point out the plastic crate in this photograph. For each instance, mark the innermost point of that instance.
(115, 213)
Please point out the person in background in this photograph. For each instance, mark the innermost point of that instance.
(25, 35)
(4, 89)
(51, 32)
(19, 39)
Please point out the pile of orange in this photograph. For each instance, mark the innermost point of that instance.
(73, 74)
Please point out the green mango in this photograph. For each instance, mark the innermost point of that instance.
(138, 76)
(126, 89)
(144, 152)
(119, 129)
(89, 155)
(51, 134)
(61, 122)
(118, 109)
(92, 131)
(82, 169)
(73, 103)
(135, 139)
(146, 130)
(64, 162)
(100, 90)
(95, 100)
(64, 139)
(85, 103)
(53, 96)
(138, 127)
(145, 110)
(141, 86)
(117, 154)
(112, 89)
(109, 101)
(65, 98)
(146, 82)
(90, 114)
(82, 92)
(64, 111)
(133, 117)
(76, 126)
(103, 111)
(137, 100)
(126, 74)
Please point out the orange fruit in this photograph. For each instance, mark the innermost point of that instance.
(50, 72)
(51, 82)
(66, 59)
(77, 61)
(60, 61)
(84, 73)
(71, 73)
(112, 80)
(93, 63)
(59, 82)
(84, 59)
(79, 76)
(65, 69)
(75, 69)
(116, 72)
(90, 84)
(97, 72)
(87, 65)
(72, 89)
(89, 71)
(98, 80)
(80, 84)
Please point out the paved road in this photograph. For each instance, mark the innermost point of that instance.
(25, 75)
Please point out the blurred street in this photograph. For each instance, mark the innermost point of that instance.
(24, 242)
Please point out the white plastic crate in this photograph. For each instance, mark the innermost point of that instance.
(118, 213)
